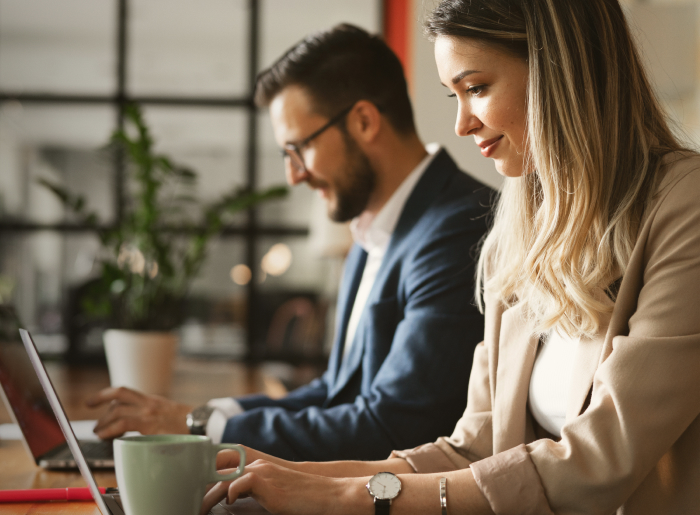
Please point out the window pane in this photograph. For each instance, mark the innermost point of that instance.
(43, 270)
(215, 321)
(41, 274)
(297, 295)
(58, 47)
(211, 141)
(61, 144)
(278, 34)
(188, 47)
(295, 265)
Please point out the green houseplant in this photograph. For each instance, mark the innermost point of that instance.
(146, 266)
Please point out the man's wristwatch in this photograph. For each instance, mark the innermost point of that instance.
(198, 418)
(384, 487)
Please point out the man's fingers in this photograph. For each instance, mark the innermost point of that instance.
(121, 394)
(118, 412)
(113, 430)
(119, 420)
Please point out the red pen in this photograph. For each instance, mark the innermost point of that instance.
(48, 494)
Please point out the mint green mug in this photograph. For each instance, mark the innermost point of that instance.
(167, 474)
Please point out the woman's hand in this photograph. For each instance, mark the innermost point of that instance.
(229, 459)
(284, 491)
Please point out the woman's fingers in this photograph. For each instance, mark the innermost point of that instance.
(240, 487)
(229, 490)
(276, 488)
(226, 490)
(229, 458)
(215, 494)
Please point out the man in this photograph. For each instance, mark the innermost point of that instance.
(406, 326)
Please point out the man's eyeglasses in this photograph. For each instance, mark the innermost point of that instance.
(293, 150)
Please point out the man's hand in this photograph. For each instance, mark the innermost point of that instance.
(130, 410)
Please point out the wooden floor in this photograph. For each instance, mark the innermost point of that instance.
(195, 382)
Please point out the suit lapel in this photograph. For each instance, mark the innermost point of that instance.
(354, 266)
(515, 354)
(428, 187)
(588, 357)
(351, 363)
(585, 364)
(422, 196)
(517, 348)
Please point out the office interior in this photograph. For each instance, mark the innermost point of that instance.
(266, 293)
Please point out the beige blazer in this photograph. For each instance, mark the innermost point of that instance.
(631, 442)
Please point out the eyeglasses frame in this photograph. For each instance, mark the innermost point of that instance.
(293, 150)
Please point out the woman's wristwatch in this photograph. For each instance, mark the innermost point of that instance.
(384, 487)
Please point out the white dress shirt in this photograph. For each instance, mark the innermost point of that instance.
(373, 234)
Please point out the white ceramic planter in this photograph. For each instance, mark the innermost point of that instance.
(141, 360)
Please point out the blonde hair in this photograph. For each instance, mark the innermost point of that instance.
(596, 135)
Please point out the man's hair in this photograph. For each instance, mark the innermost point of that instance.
(337, 68)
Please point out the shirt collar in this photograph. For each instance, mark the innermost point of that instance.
(373, 232)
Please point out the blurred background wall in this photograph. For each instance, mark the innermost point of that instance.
(67, 66)
(667, 32)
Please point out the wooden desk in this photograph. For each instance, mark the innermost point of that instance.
(195, 382)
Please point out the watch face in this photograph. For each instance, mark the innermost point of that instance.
(201, 414)
(384, 485)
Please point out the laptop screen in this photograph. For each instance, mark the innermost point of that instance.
(23, 392)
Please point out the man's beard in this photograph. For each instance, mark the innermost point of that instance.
(353, 191)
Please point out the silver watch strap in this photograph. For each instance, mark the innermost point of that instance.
(443, 495)
(197, 420)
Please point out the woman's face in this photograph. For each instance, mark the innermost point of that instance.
(490, 86)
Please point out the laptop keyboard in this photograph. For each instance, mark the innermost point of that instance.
(101, 449)
(97, 450)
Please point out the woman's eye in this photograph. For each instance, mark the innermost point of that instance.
(474, 91)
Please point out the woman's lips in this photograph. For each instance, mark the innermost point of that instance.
(488, 147)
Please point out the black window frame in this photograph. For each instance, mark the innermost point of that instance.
(251, 230)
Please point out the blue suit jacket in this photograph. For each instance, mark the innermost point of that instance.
(404, 381)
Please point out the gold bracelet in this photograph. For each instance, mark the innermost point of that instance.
(443, 495)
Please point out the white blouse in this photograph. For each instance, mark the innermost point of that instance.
(550, 381)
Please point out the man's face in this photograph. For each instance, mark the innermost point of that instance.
(335, 165)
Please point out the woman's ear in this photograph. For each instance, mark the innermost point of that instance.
(364, 121)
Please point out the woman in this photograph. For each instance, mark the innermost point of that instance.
(585, 394)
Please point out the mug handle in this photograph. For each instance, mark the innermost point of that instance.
(241, 463)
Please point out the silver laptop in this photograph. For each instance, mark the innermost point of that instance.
(109, 502)
(30, 409)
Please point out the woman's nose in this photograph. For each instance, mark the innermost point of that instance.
(466, 122)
